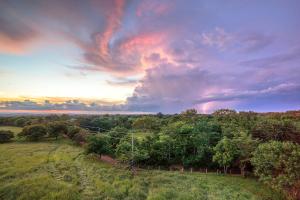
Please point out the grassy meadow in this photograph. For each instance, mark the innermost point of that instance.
(57, 170)
(13, 129)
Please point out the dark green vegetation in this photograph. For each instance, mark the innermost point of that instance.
(6, 136)
(61, 171)
(251, 144)
(7, 133)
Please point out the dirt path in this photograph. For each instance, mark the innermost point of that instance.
(108, 159)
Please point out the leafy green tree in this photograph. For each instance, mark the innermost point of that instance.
(203, 137)
(56, 129)
(98, 144)
(6, 136)
(280, 130)
(159, 149)
(125, 153)
(226, 152)
(34, 132)
(72, 131)
(21, 122)
(147, 123)
(115, 135)
(222, 114)
(189, 115)
(277, 163)
(246, 145)
(105, 123)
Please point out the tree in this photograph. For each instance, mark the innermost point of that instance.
(246, 145)
(281, 130)
(98, 144)
(56, 129)
(81, 136)
(189, 115)
(277, 163)
(72, 131)
(226, 152)
(147, 123)
(33, 132)
(6, 136)
(203, 137)
(21, 122)
(224, 112)
(125, 152)
(116, 134)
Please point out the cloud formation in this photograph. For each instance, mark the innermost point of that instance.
(175, 54)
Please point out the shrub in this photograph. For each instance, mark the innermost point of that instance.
(277, 163)
(21, 122)
(57, 128)
(72, 131)
(33, 132)
(81, 136)
(5, 136)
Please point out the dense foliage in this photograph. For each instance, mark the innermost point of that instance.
(6, 136)
(278, 164)
(226, 139)
(34, 132)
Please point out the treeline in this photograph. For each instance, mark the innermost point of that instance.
(263, 144)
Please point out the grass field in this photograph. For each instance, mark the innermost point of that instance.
(30, 171)
(13, 129)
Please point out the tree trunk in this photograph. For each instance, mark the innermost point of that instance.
(225, 169)
(243, 170)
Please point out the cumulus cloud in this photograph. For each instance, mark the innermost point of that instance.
(184, 54)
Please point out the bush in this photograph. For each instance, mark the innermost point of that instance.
(72, 131)
(6, 136)
(57, 128)
(277, 164)
(81, 136)
(33, 132)
(21, 122)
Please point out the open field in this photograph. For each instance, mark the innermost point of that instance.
(13, 129)
(62, 171)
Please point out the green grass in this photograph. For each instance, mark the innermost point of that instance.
(30, 171)
(13, 129)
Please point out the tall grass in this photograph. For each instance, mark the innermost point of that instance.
(61, 171)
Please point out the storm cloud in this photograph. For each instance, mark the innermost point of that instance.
(174, 54)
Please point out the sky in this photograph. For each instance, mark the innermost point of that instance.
(149, 55)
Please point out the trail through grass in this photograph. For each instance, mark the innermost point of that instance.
(31, 171)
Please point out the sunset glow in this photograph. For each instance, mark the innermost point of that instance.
(149, 55)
